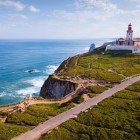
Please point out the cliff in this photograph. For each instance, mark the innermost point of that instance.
(99, 65)
(54, 87)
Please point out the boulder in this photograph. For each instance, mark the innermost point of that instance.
(92, 47)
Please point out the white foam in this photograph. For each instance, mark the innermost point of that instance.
(28, 91)
(50, 69)
(86, 49)
(2, 94)
(35, 83)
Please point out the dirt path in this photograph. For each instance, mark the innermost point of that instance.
(72, 113)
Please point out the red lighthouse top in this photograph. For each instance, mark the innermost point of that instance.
(130, 27)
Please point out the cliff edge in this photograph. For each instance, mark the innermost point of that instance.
(56, 88)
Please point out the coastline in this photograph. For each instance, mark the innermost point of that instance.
(17, 82)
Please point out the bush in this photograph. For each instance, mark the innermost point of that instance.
(135, 87)
(24, 118)
(36, 114)
(97, 89)
(8, 131)
(98, 66)
(79, 99)
(127, 94)
(116, 118)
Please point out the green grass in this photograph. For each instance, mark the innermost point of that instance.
(95, 90)
(36, 114)
(106, 67)
(24, 119)
(8, 131)
(127, 94)
(135, 87)
(78, 100)
(116, 118)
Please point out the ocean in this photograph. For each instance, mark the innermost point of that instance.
(17, 57)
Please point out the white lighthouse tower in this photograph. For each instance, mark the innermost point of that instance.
(129, 35)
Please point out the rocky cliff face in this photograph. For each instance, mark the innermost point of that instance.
(56, 88)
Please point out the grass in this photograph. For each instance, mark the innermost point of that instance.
(116, 118)
(8, 131)
(36, 114)
(108, 67)
(135, 87)
(78, 100)
(95, 90)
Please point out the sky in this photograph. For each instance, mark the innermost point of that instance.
(68, 19)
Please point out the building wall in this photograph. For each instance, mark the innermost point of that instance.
(119, 47)
(136, 50)
(129, 35)
(137, 43)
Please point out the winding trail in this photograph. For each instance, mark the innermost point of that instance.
(72, 113)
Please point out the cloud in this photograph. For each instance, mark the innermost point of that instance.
(33, 9)
(17, 5)
(134, 0)
(93, 4)
(17, 16)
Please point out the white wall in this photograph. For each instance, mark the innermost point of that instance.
(136, 50)
(136, 43)
(119, 47)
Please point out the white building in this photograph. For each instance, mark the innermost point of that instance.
(128, 43)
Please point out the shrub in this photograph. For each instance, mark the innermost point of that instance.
(79, 99)
(8, 131)
(97, 89)
(116, 118)
(135, 87)
(24, 118)
(36, 114)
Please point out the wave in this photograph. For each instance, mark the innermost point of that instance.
(36, 84)
(86, 49)
(2, 94)
(51, 69)
(28, 91)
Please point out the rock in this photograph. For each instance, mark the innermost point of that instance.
(31, 71)
(92, 47)
(56, 88)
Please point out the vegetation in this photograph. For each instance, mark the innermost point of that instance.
(135, 87)
(116, 118)
(8, 131)
(36, 114)
(109, 67)
(79, 99)
(97, 89)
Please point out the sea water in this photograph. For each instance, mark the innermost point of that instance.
(17, 57)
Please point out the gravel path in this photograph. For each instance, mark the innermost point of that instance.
(72, 113)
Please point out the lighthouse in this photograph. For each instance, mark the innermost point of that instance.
(128, 43)
(129, 35)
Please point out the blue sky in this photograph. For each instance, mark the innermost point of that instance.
(68, 19)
